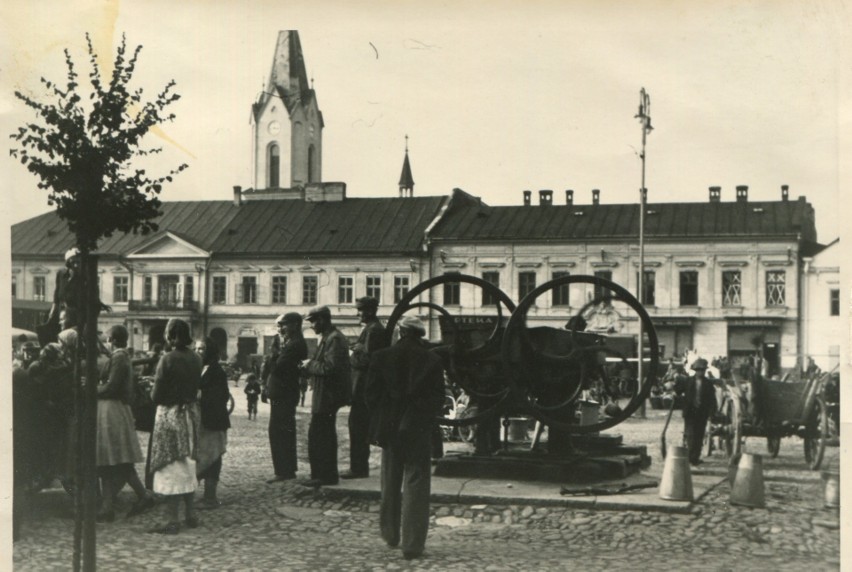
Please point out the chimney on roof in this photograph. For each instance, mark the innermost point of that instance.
(596, 196)
(238, 195)
(715, 194)
(785, 192)
(527, 198)
(545, 198)
(569, 197)
(742, 193)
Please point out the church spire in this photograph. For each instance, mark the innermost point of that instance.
(406, 181)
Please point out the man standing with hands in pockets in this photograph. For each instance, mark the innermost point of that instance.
(282, 390)
(405, 394)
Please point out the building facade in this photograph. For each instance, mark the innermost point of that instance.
(721, 277)
(822, 325)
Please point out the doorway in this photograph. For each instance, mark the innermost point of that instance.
(245, 348)
(157, 334)
(220, 336)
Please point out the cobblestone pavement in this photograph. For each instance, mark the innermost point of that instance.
(289, 527)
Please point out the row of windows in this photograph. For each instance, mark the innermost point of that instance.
(169, 289)
(247, 292)
(731, 288)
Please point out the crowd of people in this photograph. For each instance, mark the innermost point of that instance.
(395, 394)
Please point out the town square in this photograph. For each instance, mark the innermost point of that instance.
(492, 286)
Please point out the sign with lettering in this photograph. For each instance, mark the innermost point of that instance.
(469, 321)
(753, 322)
(672, 322)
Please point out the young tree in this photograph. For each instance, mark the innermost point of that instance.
(84, 146)
(85, 149)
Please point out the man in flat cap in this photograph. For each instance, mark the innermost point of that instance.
(281, 387)
(699, 405)
(405, 395)
(372, 338)
(332, 390)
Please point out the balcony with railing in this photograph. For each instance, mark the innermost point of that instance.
(164, 305)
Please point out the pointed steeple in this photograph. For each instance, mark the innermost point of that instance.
(406, 181)
(287, 122)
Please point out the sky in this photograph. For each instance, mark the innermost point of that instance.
(495, 97)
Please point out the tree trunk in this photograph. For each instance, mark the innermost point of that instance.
(77, 436)
(89, 432)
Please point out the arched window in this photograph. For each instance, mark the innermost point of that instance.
(311, 169)
(273, 165)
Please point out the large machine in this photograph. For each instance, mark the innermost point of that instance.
(510, 369)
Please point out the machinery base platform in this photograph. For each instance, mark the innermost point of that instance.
(593, 459)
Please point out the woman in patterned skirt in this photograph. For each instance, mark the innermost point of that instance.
(175, 435)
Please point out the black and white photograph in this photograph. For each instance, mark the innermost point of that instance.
(424, 286)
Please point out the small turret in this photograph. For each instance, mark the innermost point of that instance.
(406, 181)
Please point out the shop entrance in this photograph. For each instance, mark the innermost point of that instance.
(157, 333)
(245, 348)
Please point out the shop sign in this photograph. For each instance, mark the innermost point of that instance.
(468, 322)
(672, 322)
(753, 323)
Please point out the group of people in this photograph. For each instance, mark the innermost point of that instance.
(189, 435)
(188, 438)
(395, 393)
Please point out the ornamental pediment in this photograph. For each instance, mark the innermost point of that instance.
(168, 245)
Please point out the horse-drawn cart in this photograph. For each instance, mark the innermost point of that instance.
(758, 407)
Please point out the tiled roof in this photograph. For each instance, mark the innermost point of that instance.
(721, 220)
(391, 225)
(199, 222)
(354, 225)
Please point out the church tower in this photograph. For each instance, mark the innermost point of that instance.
(406, 181)
(286, 122)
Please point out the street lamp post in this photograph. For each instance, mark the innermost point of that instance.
(644, 117)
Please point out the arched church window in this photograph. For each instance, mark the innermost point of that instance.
(311, 164)
(273, 165)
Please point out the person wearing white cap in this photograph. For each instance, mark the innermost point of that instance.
(405, 393)
(64, 312)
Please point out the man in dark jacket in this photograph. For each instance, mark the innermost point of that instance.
(699, 404)
(332, 390)
(282, 391)
(372, 338)
(405, 394)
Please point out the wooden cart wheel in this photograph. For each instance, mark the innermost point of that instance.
(816, 433)
(734, 432)
(773, 445)
(467, 433)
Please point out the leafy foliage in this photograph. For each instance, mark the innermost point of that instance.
(83, 151)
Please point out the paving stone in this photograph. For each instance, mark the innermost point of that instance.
(452, 521)
(257, 520)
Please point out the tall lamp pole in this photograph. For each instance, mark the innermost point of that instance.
(644, 117)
